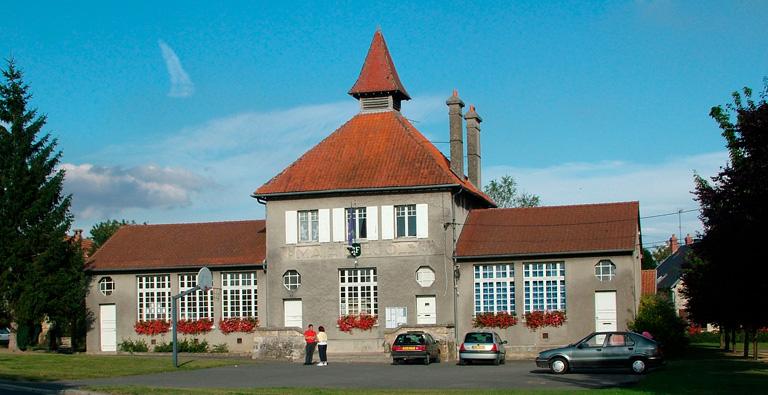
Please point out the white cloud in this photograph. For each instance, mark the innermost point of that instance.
(660, 188)
(181, 84)
(100, 192)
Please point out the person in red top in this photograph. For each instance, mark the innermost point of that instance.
(310, 336)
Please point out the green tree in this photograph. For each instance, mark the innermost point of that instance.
(505, 193)
(656, 315)
(102, 231)
(734, 216)
(662, 252)
(34, 214)
(648, 260)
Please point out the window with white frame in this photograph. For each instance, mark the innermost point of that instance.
(239, 296)
(356, 223)
(605, 270)
(153, 297)
(291, 280)
(405, 220)
(494, 288)
(544, 286)
(308, 226)
(106, 285)
(358, 291)
(195, 305)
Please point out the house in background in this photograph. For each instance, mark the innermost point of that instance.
(431, 249)
(670, 270)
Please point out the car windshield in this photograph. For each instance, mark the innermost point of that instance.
(478, 338)
(409, 339)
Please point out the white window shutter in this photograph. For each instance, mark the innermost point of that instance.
(291, 221)
(422, 221)
(387, 222)
(372, 222)
(324, 224)
(338, 224)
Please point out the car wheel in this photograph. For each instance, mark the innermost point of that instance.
(558, 365)
(638, 366)
(426, 360)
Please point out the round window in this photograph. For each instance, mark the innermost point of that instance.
(425, 276)
(605, 270)
(292, 280)
(106, 285)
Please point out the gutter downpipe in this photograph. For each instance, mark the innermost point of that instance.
(455, 285)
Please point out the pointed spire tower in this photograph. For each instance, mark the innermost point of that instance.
(378, 88)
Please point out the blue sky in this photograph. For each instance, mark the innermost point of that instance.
(177, 112)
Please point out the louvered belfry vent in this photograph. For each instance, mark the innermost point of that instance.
(374, 104)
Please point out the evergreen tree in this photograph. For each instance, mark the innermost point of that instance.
(34, 215)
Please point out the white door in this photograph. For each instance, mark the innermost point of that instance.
(108, 327)
(605, 311)
(426, 310)
(292, 313)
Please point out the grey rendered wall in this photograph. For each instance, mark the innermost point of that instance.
(396, 262)
(124, 298)
(581, 285)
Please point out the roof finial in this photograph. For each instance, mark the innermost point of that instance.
(455, 92)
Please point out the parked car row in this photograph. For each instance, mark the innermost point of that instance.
(5, 335)
(597, 350)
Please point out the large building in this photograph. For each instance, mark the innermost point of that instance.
(433, 250)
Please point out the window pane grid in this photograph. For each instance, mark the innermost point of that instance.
(308, 226)
(405, 220)
(544, 285)
(154, 296)
(195, 305)
(358, 291)
(494, 288)
(239, 295)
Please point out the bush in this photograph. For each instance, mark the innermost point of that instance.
(132, 346)
(220, 348)
(705, 337)
(185, 345)
(657, 316)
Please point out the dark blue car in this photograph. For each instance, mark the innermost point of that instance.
(604, 350)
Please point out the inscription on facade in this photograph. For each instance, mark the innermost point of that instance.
(371, 249)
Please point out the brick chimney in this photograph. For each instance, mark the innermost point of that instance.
(473, 146)
(457, 131)
(688, 239)
(673, 245)
(78, 235)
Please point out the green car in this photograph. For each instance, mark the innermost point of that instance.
(602, 350)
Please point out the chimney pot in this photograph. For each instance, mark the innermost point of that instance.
(473, 146)
(673, 244)
(456, 130)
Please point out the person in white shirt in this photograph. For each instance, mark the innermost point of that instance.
(322, 345)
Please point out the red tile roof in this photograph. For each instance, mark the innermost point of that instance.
(378, 73)
(648, 282)
(550, 230)
(371, 151)
(171, 246)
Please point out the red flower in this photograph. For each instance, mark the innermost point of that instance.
(501, 320)
(537, 319)
(152, 327)
(194, 327)
(243, 324)
(363, 321)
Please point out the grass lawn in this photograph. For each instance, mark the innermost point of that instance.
(50, 367)
(704, 369)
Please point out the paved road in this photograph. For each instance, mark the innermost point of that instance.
(515, 374)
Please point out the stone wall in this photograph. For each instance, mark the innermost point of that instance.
(278, 344)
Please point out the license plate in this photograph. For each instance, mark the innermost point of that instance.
(478, 347)
(409, 348)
